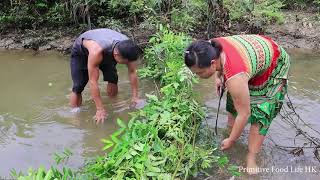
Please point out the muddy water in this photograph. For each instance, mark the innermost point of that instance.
(304, 92)
(35, 120)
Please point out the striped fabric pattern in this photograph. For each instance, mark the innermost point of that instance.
(258, 57)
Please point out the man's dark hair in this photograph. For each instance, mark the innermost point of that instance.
(129, 50)
(201, 53)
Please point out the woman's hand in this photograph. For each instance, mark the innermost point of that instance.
(226, 143)
(219, 85)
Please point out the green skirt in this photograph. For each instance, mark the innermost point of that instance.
(263, 109)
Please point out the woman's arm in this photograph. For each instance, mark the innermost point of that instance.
(239, 91)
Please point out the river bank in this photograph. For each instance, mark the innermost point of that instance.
(300, 30)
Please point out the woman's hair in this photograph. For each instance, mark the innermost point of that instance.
(201, 53)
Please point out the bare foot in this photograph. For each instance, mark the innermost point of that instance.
(252, 168)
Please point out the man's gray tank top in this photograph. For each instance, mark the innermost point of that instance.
(106, 38)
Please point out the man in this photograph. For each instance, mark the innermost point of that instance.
(102, 49)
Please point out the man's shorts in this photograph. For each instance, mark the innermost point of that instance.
(80, 75)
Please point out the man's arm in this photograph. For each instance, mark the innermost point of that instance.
(94, 59)
(239, 90)
(132, 71)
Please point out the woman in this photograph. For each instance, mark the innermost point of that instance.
(254, 69)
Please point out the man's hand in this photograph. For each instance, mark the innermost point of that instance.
(100, 116)
(226, 143)
(112, 89)
(134, 101)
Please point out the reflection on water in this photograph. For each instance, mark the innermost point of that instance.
(305, 94)
(35, 118)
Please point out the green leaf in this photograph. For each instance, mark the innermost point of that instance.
(152, 174)
(68, 152)
(121, 123)
(175, 85)
(133, 152)
(41, 5)
(157, 163)
(107, 145)
(116, 134)
(152, 97)
(138, 146)
(40, 173)
(49, 175)
(153, 169)
(128, 156)
(234, 170)
(222, 161)
(138, 166)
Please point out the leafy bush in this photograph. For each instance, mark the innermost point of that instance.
(166, 47)
(183, 15)
(43, 174)
(58, 15)
(105, 22)
(18, 16)
(53, 173)
(267, 11)
(238, 8)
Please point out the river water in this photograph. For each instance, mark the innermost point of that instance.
(35, 118)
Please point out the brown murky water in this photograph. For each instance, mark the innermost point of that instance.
(35, 120)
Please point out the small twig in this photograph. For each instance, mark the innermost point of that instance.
(179, 162)
(294, 110)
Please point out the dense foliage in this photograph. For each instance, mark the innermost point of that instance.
(182, 15)
(115, 14)
(267, 11)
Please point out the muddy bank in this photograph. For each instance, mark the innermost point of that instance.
(300, 30)
(57, 39)
(45, 39)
